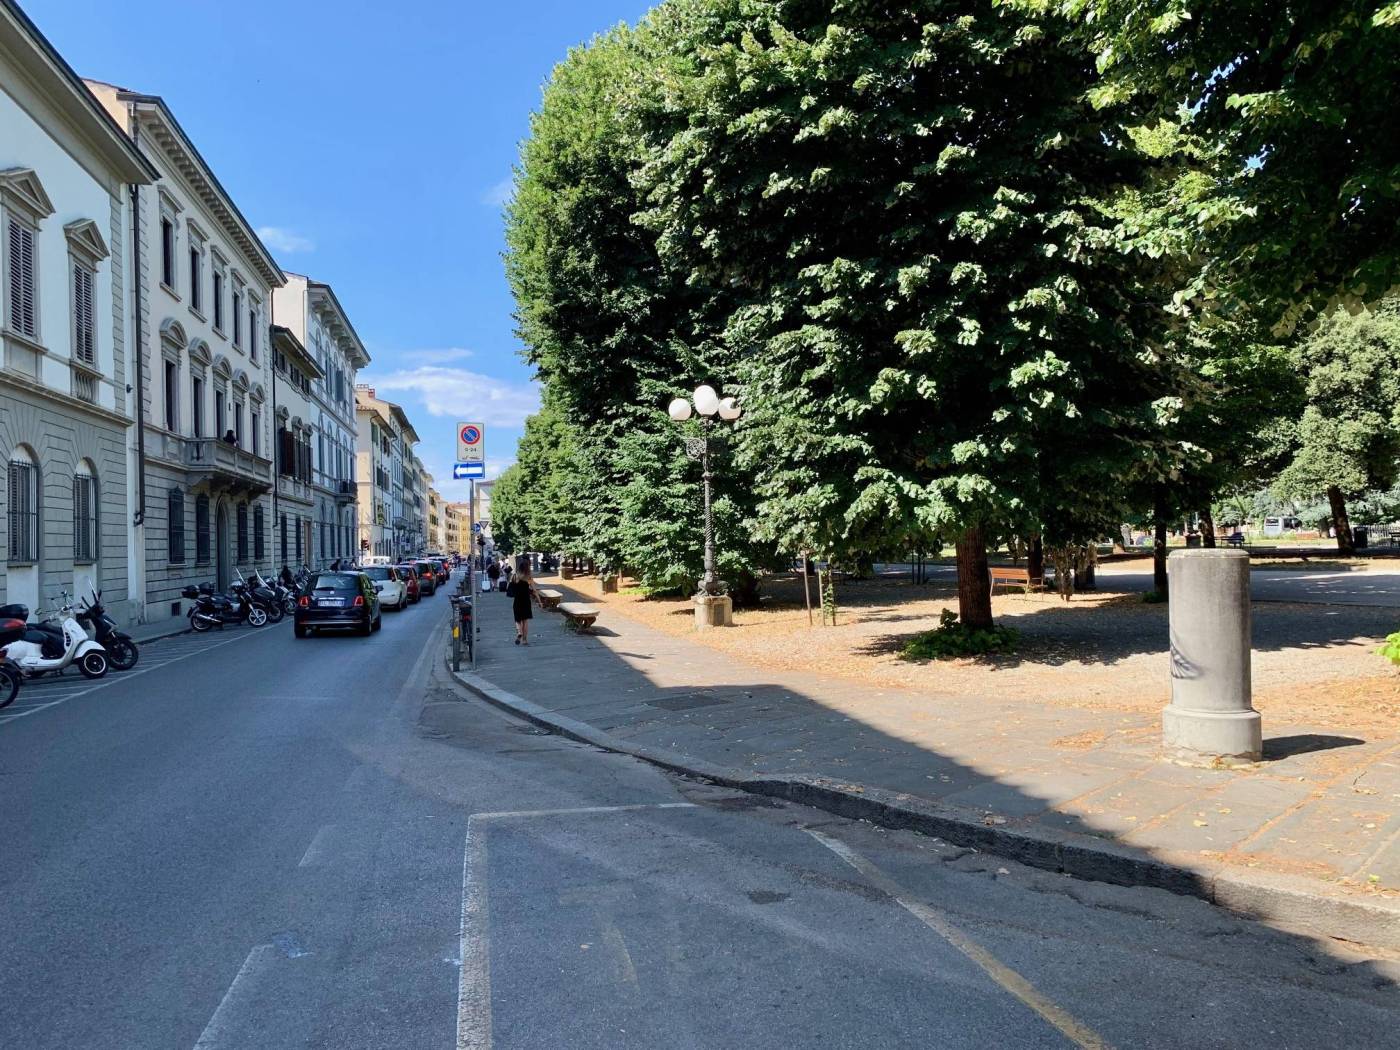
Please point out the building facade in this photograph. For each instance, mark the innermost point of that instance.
(203, 428)
(294, 371)
(311, 311)
(67, 174)
(373, 473)
(437, 527)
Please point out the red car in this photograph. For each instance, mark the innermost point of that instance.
(409, 575)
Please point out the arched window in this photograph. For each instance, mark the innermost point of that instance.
(85, 542)
(23, 507)
(243, 532)
(201, 529)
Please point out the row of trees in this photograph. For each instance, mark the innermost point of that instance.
(979, 272)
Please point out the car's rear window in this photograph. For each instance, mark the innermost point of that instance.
(335, 582)
(425, 567)
(377, 572)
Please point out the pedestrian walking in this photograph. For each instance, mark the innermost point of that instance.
(521, 591)
(505, 573)
(493, 573)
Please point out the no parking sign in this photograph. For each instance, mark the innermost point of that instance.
(471, 443)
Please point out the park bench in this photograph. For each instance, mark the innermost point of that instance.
(578, 615)
(1235, 539)
(1011, 577)
(549, 598)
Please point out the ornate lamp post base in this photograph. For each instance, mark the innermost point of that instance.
(713, 610)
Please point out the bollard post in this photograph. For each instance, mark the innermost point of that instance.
(1211, 717)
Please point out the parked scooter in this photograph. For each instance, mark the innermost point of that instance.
(47, 648)
(212, 610)
(12, 629)
(260, 592)
(122, 653)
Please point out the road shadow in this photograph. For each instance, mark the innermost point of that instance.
(1034, 804)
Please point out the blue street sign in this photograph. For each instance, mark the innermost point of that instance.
(476, 526)
(462, 471)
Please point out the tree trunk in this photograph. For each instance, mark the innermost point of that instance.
(974, 583)
(1346, 544)
(1035, 557)
(1207, 528)
(1159, 539)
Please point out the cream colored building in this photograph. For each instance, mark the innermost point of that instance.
(68, 176)
(202, 504)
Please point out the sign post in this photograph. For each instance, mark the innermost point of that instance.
(470, 465)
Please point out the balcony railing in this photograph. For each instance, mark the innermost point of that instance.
(293, 488)
(227, 464)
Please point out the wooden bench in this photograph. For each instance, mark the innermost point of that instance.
(578, 615)
(1012, 577)
(1235, 539)
(549, 598)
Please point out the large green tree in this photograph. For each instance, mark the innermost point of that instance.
(1349, 433)
(1291, 106)
(614, 333)
(938, 330)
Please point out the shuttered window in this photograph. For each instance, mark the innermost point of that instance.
(23, 284)
(84, 316)
(201, 529)
(176, 527)
(23, 512)
(84, 518)
(283, 534)
(259, 537)
(243, 532)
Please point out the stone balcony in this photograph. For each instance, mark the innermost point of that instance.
(345, 491)
(226, 466)
(294, 488)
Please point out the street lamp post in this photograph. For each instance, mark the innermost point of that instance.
(713, 607)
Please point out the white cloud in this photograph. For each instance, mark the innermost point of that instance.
(455, 393)
(499, 195)
(286, 241)
(439, 357)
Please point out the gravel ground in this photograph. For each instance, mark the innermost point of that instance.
(1312, 664)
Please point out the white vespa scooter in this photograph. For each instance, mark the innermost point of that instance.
(77, 648)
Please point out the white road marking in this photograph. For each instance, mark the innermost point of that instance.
(1008, 979)
(474, 982)
(213, 1036)
(120, 676)
(317, 847)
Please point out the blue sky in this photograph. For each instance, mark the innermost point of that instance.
(372, 144)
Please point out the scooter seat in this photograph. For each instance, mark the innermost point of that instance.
(14, 612)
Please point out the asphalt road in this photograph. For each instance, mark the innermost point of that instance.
(258, 842)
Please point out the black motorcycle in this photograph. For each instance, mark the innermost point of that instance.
(212, 610)
(122, 653)
(12, 629)
(265, 594)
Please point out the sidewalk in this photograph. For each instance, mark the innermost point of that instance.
(1309, 837)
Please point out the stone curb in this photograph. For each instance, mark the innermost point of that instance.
(1288, 901)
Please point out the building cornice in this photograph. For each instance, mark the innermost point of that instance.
(323, 301)
(164, 130)
(64, 89)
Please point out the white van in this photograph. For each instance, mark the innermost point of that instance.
(376, 559)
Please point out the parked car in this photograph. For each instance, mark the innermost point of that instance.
(389, 584)
(427, 577)
(409, 575)
(337, 600)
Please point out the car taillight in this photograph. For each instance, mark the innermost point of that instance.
(359, 600)
(304, 602)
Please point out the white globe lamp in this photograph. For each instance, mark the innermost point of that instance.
(729, 409)
(679, 410)
(706, 400)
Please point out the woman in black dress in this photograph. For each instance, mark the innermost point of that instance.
(521, 591)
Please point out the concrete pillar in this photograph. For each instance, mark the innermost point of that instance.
(1211, 716)
(713, 610)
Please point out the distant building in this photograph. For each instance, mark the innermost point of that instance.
(385, 439)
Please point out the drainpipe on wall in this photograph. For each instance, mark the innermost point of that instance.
(140, 516)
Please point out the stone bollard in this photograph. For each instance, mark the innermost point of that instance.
(1211, 717)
